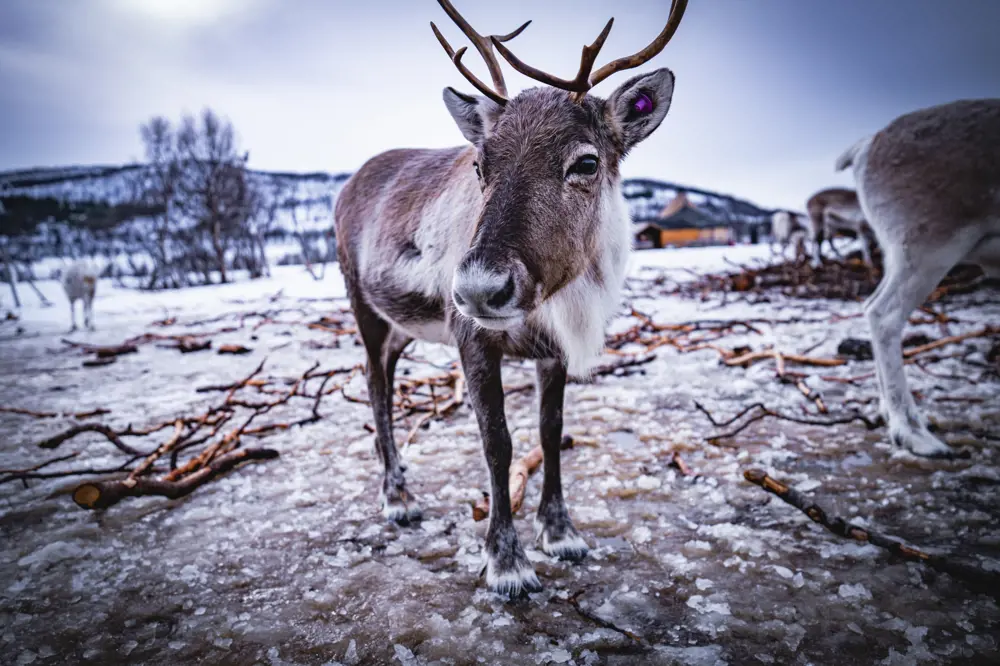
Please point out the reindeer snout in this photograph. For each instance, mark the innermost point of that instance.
(488, 294)
(483, 293)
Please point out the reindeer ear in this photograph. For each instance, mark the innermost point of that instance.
(639, 105)
(474, 115)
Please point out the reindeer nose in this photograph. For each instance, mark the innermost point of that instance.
(482, 292)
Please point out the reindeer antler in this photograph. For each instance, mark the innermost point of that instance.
(485, 47)
(584, 80)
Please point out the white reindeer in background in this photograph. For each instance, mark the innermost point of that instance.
(929, 185)
(790, 229)
(515, 244)
(80, 283)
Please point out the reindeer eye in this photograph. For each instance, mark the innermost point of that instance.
(585, 166)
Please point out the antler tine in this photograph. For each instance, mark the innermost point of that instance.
(485, 47)
(584, 80)
(677, 8)
(580, 84)
(511, 35)
(456, 59)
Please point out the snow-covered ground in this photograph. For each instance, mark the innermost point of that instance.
(290, 562)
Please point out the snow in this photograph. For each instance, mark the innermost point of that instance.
(289, 561)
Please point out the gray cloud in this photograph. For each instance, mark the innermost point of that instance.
(768, 91)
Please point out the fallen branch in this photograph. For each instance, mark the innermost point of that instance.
(104, 494)
(984, 579)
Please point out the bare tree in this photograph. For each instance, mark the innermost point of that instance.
(212, 216)
(159, 187)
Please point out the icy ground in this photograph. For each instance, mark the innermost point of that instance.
(289, 561)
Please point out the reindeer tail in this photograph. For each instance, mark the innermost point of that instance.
(851, 154)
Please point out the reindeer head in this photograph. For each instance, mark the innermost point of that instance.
(548, 166)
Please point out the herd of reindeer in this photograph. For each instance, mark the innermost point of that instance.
(468, 246)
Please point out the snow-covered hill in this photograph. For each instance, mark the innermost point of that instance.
(307, 198)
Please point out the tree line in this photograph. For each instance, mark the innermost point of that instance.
(196, 213)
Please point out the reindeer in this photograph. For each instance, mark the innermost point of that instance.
(80, 283)
(929, 185)
(789, 228)
(833, 210)
(516, 244)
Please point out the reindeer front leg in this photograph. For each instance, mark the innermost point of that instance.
(508, 571)
(553, 527)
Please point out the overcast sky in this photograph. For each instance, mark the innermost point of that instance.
(768, 91)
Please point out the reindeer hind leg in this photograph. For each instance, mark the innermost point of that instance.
(912, 271)
(384, 346)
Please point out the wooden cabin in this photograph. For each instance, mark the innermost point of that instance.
(680, 224)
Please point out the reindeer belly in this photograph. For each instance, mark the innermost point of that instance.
(419, 315)
(987, 255)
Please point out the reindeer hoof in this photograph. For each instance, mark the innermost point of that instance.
(563, 542)
(923, 444)
(514, 579)
(402, 510)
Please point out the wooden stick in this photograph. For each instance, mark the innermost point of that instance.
(951, 339)
(456, 400)
(52, 415)
(988, 580)
(520, 471)
(750, 357)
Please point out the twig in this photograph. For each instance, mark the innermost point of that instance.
(109, 434)
(765, 412)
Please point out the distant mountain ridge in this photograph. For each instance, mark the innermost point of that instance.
(304, 194)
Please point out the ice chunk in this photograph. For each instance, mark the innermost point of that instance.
(641, 534)
(646, 482)
(404, 655)
(50, 554)
(859, 591)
